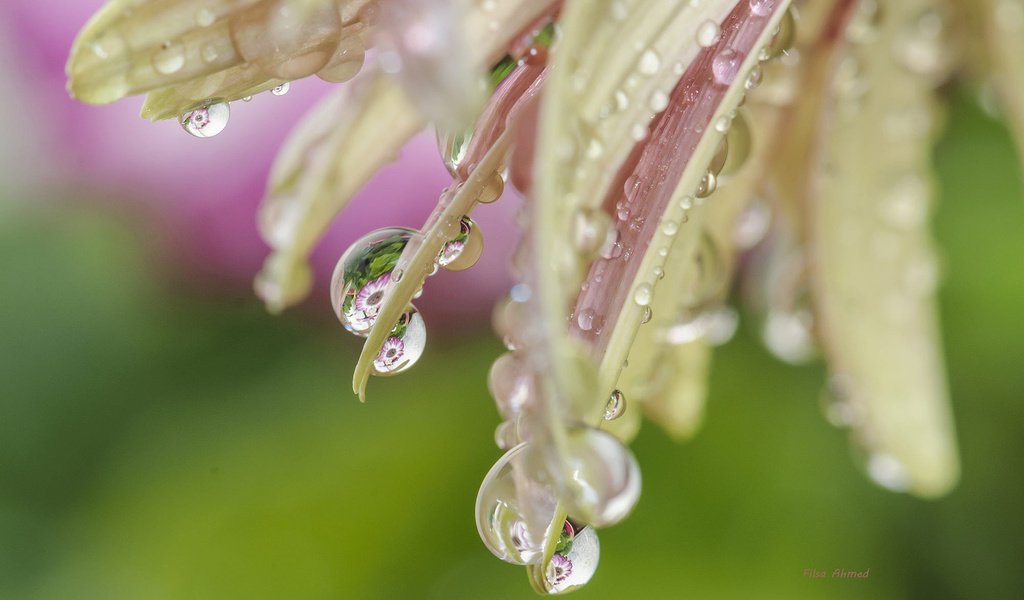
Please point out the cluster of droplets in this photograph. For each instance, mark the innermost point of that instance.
(282, 41)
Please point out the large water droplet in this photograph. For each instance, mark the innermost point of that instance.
(462, 252)
(362, 276)
(574, 561)
(601, 477)
(726, 65)
(404, 346)
(206, 120)
(282, 89)
(513, 510)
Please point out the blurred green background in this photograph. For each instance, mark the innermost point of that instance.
(161, 438)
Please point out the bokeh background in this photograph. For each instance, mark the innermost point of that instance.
(162, 437)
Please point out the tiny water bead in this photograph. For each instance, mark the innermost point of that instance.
(462, 252)
(616, 406)
(363, 274)
(404, 346)
(206, 120)
(513, 511)
(282, 89)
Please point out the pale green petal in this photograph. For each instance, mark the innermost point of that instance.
(873, 268)
(330, 156)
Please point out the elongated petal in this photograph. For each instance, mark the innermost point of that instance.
(873, 269)
(1001, 31)
(331, 155)
(133, 46)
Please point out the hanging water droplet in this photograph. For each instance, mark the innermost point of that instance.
(247, 99)
(573, 563)
(585, 319)
(762, 8)
(206, 120)
(169, 59)
(754, 78)
(888, 472)
(462, 252)
(707, 33)
(362, 276)
(404, 346)
(708, 185)
(282, 89)
(453, 147)
(646, 315)
(604, 484)
(616, 405)
(726, 65)
(513, 510)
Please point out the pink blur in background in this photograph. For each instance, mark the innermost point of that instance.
(203, 194)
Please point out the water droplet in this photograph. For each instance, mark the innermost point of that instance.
(707, 33)
(751, 225)
(837, 401)
(462, 252)
(513, 510)
(788, 335)
(649, 63)
(282, 89)
(784, 37)
(638, 132)
(573, 563)
(247, 99)
(708, 185)
(510, 384)
(888, 472)
(754, 78)
(906, 204)
(362, 277)
(585, 319)
(209, 53)
(670, 228)
(169, 59)
(404, 346)
(590, 231)
(647, 315)
(602, 478)
(453, 147)
(206, 120)
(612, 247)
(659, 101)
(616, 405)
(726, 65)
(643, 294)
(205, 17)
(762, 8)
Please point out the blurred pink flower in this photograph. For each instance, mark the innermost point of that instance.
(206, 192)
